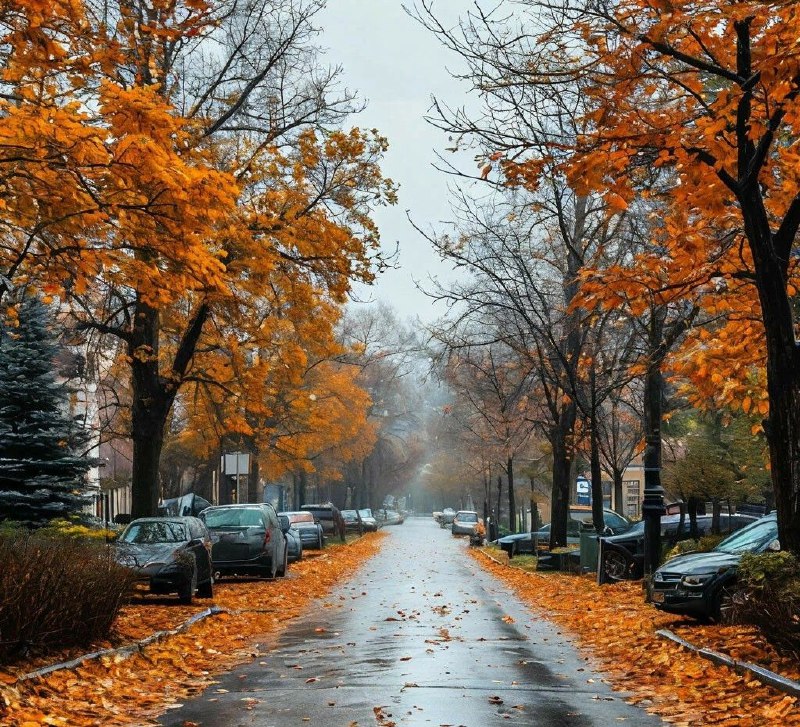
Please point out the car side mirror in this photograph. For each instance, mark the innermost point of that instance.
(774, 546)
(285, 523)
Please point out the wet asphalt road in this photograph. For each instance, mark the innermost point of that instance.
(420, 636)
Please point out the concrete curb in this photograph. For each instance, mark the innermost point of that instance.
(124, 651)
(765, 676)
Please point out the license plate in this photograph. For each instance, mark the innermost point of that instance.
(658, 597)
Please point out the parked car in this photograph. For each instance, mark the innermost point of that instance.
(352, 521)
(169, 554)
(389, 517)
(294, 542)
(247, 539)
(329, 516)
(623, 555)
(465, 522)
(308, 526)
(368, 519)
(702, 584)
(579, 516)
(446, 517)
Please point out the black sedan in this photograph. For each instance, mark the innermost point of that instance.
(701, 584)
(169, 554)
(248, 539)
(623, 555)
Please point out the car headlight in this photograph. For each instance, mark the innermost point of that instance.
(698, 579)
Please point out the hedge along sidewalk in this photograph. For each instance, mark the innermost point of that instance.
(133, 688)
(619, 631)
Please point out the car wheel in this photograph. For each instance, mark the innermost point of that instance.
(616, 565)
(281, 572)
(186, 592)
(725, 604)
(206, 590)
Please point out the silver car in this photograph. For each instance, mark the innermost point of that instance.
(465, 522)
(246, 539)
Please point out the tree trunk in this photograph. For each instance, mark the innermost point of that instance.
(152, 398)
(619, 493)
(499, 496)
(561, 441)
(512, 505)
(597, 476)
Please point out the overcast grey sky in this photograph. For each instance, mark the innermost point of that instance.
(396, 65)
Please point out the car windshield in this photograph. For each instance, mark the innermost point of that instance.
(154, 532)
(750, 539)
(365, 513)
(613, 520)
(467, 517)
(232, 517)
(301, 517)
(349, 514)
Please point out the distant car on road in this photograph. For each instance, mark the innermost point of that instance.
(465, 522)
(389, 517)
(623, 554)
(702, 584)
(306, 524)
(352, 521)
(446, 517)
(579, 516)
(247, 539)
(368, 519)
(169, 554)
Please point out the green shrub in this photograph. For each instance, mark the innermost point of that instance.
(770, 598)
(56, 592)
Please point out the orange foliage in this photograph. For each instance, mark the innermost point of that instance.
(132, 691)
(706, 96)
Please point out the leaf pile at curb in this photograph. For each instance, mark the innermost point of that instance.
(618, 629)
(113, 691)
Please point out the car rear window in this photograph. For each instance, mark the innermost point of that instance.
(301, 517)
(233, 518)
(467, 517)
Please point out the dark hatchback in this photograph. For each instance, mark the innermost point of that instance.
(701, 584)
(327, 515)
(623, 555)
(352, 521)
(247, 539)
(169, 554)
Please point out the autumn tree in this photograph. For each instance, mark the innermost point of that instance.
(491, 383)
(710, 92)
(391, 363)
(235, 198)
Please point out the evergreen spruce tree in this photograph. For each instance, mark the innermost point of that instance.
(42, 470)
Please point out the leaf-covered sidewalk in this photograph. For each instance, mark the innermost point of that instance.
(125, 691)
(619, 631)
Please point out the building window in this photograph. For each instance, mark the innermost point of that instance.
(632, 498)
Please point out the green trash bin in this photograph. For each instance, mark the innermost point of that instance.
(589, 545)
